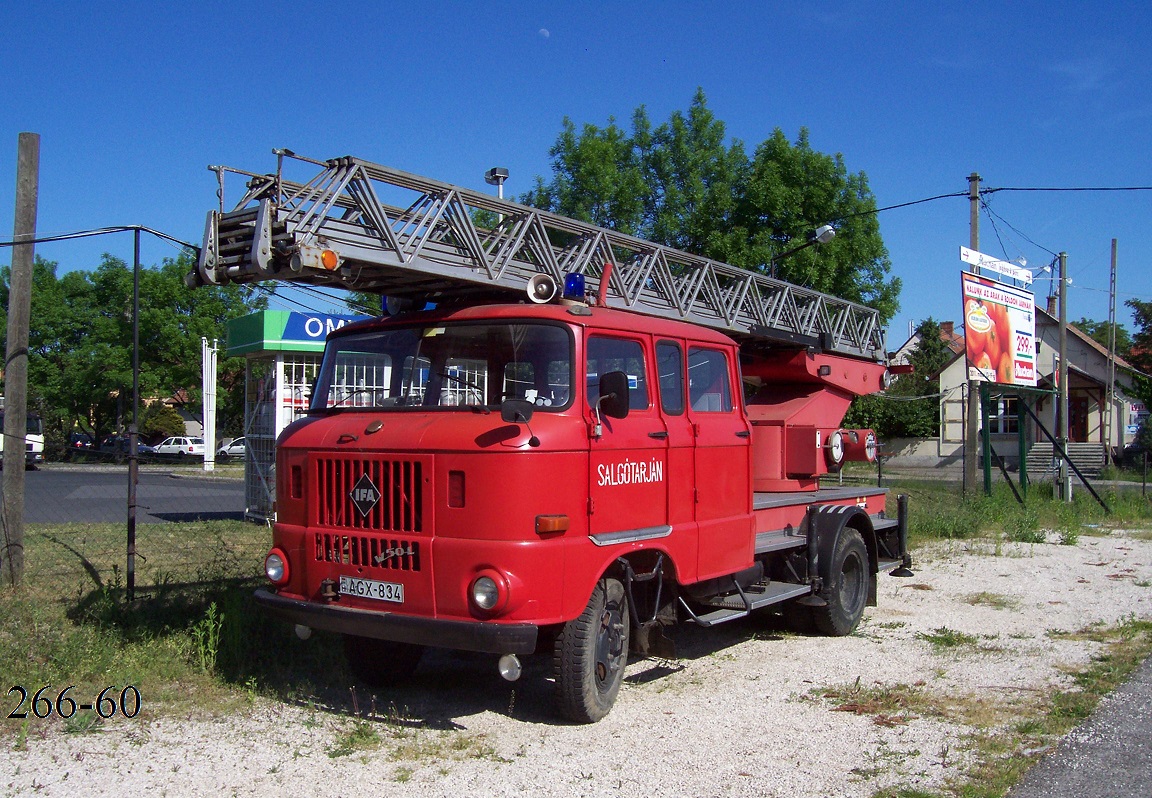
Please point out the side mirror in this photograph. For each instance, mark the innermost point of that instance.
(614, 394)
(516, 411)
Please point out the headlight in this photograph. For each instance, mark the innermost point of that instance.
(485, 593)
(276, 567)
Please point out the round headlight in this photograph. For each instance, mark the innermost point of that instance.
(485, 593)
(276, 568)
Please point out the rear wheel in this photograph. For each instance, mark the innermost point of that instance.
(590, 653)
(379, 663)
(845, 586)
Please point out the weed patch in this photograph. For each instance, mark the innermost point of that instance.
(943, 638)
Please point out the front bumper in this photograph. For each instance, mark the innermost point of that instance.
(485, 637)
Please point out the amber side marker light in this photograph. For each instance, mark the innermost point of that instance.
(551, 524)
(329, 259)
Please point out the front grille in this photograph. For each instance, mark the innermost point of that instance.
(398, 483)
(368, 551)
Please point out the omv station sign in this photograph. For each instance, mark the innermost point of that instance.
(283, 330)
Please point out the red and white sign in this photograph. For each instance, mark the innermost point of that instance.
(999, 332)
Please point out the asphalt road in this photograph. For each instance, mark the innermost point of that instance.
(77, 493)
(1107, 756)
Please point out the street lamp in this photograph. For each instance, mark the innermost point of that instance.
(821, 235)
(496, 177)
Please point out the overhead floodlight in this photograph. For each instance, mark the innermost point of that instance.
(824, 233)
(496, 176)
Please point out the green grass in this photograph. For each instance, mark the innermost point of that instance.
(940, 511)
(943, 638)
(191, 641)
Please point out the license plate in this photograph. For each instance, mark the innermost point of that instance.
(370, 588)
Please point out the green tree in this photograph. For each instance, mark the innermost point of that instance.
(158, 420)
(1140, 351)
(596, 178)
(1098, 332)
(792, 191)
(910, 408)
(80, 340)
(684, 185)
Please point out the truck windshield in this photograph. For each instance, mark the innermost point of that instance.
(453, 366)
(33, 425)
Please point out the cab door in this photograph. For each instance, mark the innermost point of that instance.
(628, 491)
(723, 462)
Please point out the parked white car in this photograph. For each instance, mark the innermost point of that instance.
(181, 447)
(236, 448)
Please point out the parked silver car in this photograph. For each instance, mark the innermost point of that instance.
(181, 447)
(237, 448)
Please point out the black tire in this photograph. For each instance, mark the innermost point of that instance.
(845, 587)
(380, 663)
(590, 654)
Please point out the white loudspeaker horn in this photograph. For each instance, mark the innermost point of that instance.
(542, 289)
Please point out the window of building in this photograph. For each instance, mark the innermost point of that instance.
(1002, 419)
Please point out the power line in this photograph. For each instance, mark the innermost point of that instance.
(101, 231)
(993, 190)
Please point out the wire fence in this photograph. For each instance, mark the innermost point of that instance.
(189, 523)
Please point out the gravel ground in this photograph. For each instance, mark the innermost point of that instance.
(741, 712)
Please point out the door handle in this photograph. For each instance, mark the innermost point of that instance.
(658, 435)
(743, 434)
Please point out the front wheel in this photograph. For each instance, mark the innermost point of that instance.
(590, 654)
(845, 587)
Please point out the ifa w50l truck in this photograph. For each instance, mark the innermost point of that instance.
(559, 440)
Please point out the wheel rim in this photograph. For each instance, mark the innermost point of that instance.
(609, 645)
(852, 583)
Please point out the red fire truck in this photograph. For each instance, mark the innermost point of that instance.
(510, 462)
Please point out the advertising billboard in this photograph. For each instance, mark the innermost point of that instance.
(999, 332)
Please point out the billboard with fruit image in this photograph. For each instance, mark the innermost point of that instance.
(999, 332)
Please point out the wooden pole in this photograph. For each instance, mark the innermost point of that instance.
(16, 357)
(972, 429)
(1062, 388)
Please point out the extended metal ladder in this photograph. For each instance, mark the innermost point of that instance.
(431, 250)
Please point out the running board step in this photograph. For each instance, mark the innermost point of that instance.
(730, 608)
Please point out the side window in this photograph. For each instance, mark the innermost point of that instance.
(618, 354)
(708, 385)
(670, 370)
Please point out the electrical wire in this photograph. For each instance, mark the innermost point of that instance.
(993, 190)
(991, 213)
(101, 231)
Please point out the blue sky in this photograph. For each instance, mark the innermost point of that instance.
(133, 100)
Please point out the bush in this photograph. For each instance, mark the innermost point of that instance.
(158, 420)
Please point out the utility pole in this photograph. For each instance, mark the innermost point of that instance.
(1062, 388)
(972, 428)
(1111, 424)
(16, 358)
